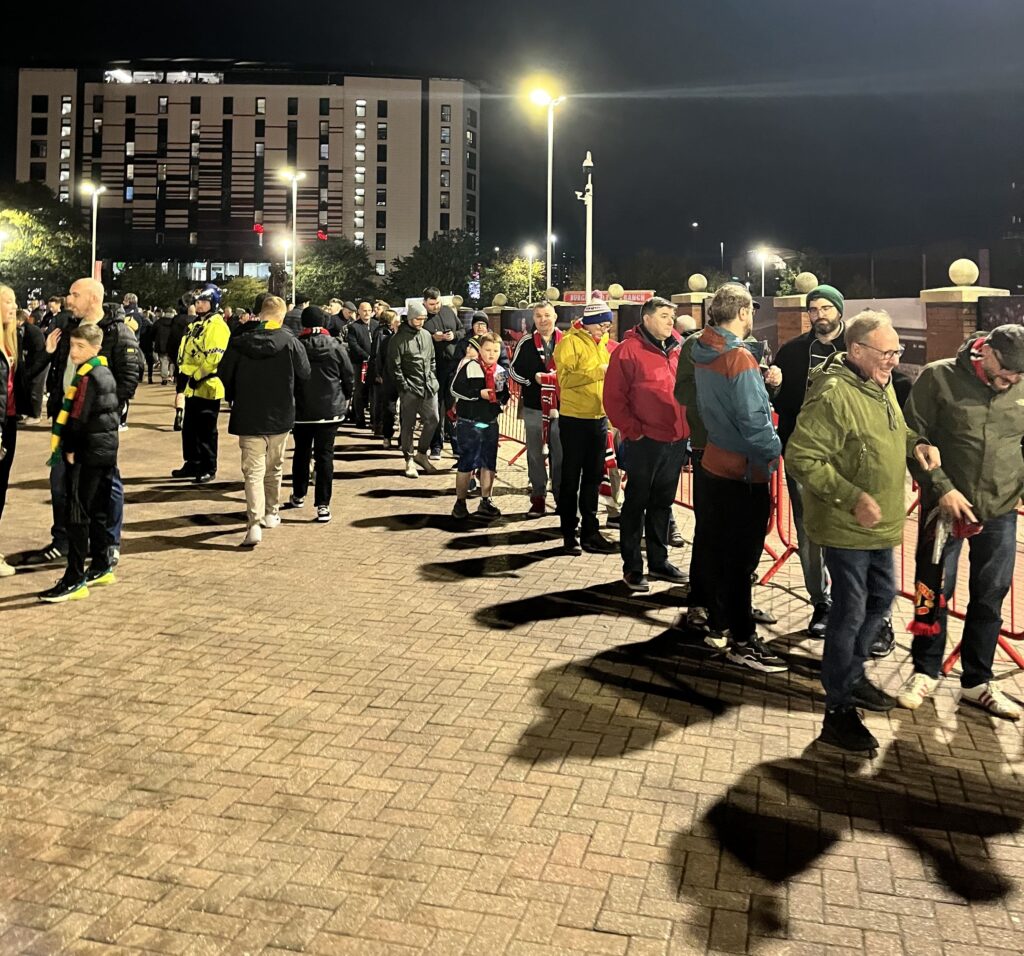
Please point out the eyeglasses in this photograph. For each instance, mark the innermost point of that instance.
(887, 354)
(812, 312)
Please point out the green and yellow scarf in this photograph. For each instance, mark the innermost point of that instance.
(64, 414)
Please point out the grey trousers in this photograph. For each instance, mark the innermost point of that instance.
(811, 558)
(535, 465)
(425, 406)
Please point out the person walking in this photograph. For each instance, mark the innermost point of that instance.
(411, 364)
(446, 330)
(849, 454)
(259, 375)
(972, 409)
(161, 345)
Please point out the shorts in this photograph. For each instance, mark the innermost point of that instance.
(478, 445)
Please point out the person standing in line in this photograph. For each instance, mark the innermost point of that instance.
(359, 345)
(259, 374)
(410, 363)
(183, 318)
(320, 405)
(446, 330)
(31, 345)
(293, 320)
(383, 397)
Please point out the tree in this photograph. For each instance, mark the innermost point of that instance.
(46, 245)
(509, 274)
(806, 260)
(151, 284)
(241, 292)
(445, 261)
(336, 267)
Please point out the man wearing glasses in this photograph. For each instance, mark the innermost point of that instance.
(797, 359)
(972, 408)
(849, 453)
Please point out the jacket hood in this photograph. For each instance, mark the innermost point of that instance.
(262, 343)
(318, 344)
(963, 354)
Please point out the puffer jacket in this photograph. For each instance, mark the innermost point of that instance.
(162, 334)
(581, 363)
(200, 354)
(124, 357)
(91, 431)
(850, 438)
(410, 361)
(324, 396)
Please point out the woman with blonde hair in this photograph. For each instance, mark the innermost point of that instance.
(8, 413)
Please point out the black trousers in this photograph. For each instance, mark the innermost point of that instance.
(317, 439)
(199, 434)
(445, 426)
(385, 408)
(653, 468)
(699, 559)
(360, 401)
(10, 444)
(584, 442)
(85, 518)
(736, 521)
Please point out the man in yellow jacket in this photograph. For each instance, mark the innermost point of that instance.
(581, 361)
(199, 355)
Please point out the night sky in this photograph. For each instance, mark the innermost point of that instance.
(841, 125)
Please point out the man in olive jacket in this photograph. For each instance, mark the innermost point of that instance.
(972, 408)
(410, 363)
(849, 453)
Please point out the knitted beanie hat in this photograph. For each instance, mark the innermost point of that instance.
(831, 293)
(597, 312)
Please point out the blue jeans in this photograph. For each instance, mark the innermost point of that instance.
(992, 556)
(58, 494)
(863, 589)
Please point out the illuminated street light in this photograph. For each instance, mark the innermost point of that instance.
(587, 198)
(541, 97)
(292, 176)
(94, 191)
(530, 251)
(762, 253)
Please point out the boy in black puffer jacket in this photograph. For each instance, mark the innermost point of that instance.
(320, 405)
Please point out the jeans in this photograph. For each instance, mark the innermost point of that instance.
(318, 439)
(584, 442)
(653, 468)
(536, 467)
(425, 406)
(445, 428)
(992, 556)
(58, 502)
(863, 589)
(735, 522)
(85, 518)
(811, 560)
(199, 434)
(262, 467)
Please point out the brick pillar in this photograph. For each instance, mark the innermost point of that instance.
(791, 317)
(691, 303)
(951, 312)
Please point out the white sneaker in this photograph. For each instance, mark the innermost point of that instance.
(253, 536)
(991, 699)
(425, 463)
(717, 640)
(913, 693)
(5, 569)
(410, 469)
(271, 519)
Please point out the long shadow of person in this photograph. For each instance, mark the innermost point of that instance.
(489, 566)
(419, 522)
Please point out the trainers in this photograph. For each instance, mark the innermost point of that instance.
(294, 501)
(271, 519)
(637, 582)
(460, 510)
(387, 443)
(571, 546)
(675, 537)
(843, 728)
(435, 455)
(62, 591)
(253, 536)
(991, 699)
(323, 513)
(597, 543)
(697, 618)
(756, 655)
(410, 469)
(885, 643)
(819, 621)
(762, 617)
(716, 640)
(865, 695)
(487, 509)
(536, 507)
(100, 577)
(47, 555)
(425, 463)
(914, 692)
(185, 471)
(113, 556)
(205, 478)
(5, 569)
(669, 572)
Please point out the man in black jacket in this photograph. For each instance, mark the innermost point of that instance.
(445, 328)
(29, 389)
(359, 345)
(293, 320)
(259, 371)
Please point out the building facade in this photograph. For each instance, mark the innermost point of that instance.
(191, 158)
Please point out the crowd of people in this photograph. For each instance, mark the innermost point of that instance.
(623, 419)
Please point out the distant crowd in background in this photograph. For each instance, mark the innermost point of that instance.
(619, 420)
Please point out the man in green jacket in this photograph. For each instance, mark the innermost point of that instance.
(972, 408)
(849, 453)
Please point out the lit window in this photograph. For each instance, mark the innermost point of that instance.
(358, 238)
(323, 194)
(129, 171)
(259, 149)
(193, 194)
(129, 149)
(446, 200)
(360, 154)
(360, 200)
(65, 130)
(446, 178)
(65, 194)
(65, 151)
(325, 151)
(382, 131)
(195, 127)
(446, 157)
(360, 107)
(446, 134)
(65, 105)
(129, 193)
(446, 113)
(161, 104)
(194, 150)
(161, 173)
(360, 176)
(65, 172)
(381, 267)
(471, 138)
(193, 238)
(97, 126)
(360, 131)
(261, 105)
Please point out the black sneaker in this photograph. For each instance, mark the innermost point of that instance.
(460, 510)
(63, 591)
(613, 521)
(819, 621)
(675, 537)
(864, 694)
(635, 581)
(99, 577)
(760, 616)
(669, 572)
(844, 729)
(205, 478)
(185, 471)
(597, 543)
(487, 509)
(756, 655)
(885, 643)
(571, 546)
(48, 555)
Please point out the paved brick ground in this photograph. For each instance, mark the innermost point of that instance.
(396, 735)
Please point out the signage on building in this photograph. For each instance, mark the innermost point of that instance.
(640, 296)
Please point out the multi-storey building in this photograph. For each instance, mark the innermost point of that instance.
(191, 158)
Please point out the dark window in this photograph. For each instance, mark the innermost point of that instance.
(382, 109)
(129, 104)
(446, 200)
(325, 106)
(446, 221)
(471, 202)
(161, 137)
(324, 174)
(97, 103)
(382, 241)
(382, 175)
(196, 104)
(37, 149)
(129, 130)
(229, 105)
(382, 197)
(471, 223)
(40, 103)
(227, 140)
(293, 141)
(382, 219)
(471, 117)
(470, 160)
(446, 113)
(161, 104)
(261, 128)
(446, 178)
(382, 153)
(37, 172)
(470, 180)
(39, 125)
(293, 106)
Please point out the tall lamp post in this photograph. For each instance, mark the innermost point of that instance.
(293, 176)
(587, 198)
(695, 226)
(530, 252)
(762, 257)
(285, 245)
(94, 192)
(544, 98)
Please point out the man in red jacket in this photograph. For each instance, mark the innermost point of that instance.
(639, 401)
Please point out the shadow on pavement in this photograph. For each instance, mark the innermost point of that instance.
(491, 566)
(202, 520)
(504, 539)
(385, 493)
(418, 522)
(153, 543)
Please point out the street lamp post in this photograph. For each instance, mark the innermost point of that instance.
(94, 192)
(543, 98)
(762, 255)
(285, 245)
(293, 176)
(531, 253)
(587, 198)
(695, 226)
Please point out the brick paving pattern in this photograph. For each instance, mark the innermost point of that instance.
(394, 735)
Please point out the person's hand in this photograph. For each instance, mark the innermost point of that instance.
(450, 336)
(439, 336)
(928, 457)
(953, 506)
(866, 511)
(538, 378)
(52, 340)
(70, 457)
(485, 393)
(379, 380)
(773, 376)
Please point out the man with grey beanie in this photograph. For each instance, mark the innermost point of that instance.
(410, 361)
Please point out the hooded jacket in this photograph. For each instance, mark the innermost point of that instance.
(444, 321)
(793, 360)
(732, 401)
(162, 334)
(91, 431)
(851, 438)
(977, 430)
(410, 361)
(324, 396)
(581, 363)
(258, 374)
(638, 389)
(200, 354)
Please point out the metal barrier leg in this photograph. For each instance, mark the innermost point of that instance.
(1006, 646)
(950, 662)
